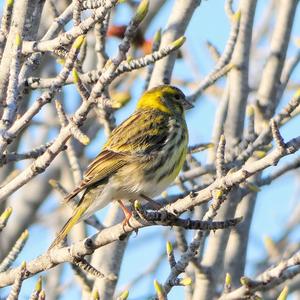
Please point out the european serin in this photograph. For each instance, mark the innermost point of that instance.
(140, 159)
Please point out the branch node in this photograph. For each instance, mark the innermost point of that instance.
(278, 137)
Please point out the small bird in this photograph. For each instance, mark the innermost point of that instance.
(142, 156)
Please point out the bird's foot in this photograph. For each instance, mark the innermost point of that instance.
(127, 213)
(155, 205)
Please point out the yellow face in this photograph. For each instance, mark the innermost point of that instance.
(166, 98)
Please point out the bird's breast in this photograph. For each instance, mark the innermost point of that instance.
(153, 174)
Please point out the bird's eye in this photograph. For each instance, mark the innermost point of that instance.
(177, 97)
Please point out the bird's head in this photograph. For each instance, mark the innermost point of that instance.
(166, 98)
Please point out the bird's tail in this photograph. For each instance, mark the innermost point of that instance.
(78, 212)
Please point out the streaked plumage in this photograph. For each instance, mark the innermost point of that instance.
(142, 156)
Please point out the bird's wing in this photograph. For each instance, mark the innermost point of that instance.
(103, 166)
(142, 134)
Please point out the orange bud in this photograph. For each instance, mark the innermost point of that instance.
(117, 31)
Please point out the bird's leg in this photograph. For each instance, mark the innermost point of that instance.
(153, 203)
(127, 212)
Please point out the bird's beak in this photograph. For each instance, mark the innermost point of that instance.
(187, 104)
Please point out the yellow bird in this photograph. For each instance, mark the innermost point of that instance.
(141, 158)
